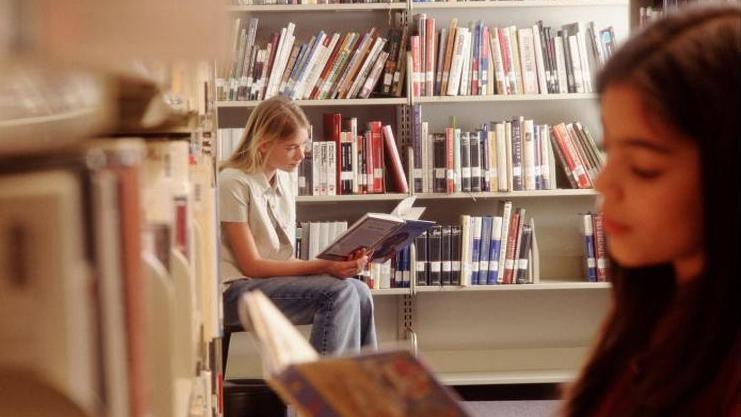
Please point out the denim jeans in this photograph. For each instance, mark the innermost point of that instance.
(341, 310)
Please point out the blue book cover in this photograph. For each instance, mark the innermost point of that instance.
(589, 248)
(476, 249)
(483, 275)
(494, 248)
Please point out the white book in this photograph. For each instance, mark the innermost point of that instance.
(545, 169)
(508, 152)
(515, 47)
(375, 73)
(331, 171)
(502, 161)
(528, 63)
(466, 65)
(534, 255)
(492, 155)
(385, 281)
(316, 71)
(466, 250)
(511, 76)
(273, 77)
(506, 215)
(539, 61)
(496, 234)
(324, 235)
(551, 160)
(47, 312)
(296, 87)
(316, 168)
(331, 231)
(426, 157)
(476, 236)
(500, 78)
(365, 67)
(457, 173)
(529, 154)
(573, 45)
(456, 64)
(584, 58)
(563, 86)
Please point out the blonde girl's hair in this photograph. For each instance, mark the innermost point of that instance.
(274, 119)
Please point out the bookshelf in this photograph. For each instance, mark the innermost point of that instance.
(488, 334)
(287, 8)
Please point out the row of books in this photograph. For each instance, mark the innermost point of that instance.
(512, 155)
(482, 250)
(352, 162)
(595, 248)
(313, 237)
(285, 2)
(328, 66)
(101, 239)
(481, 60)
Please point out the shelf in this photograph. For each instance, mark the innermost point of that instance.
(510, 365)
(318, 7)
(391, 291)
(502, 98)
(515, 4)
(512, 194)
(350, 197)
(544, 376)
(336, 102)
(541, 286)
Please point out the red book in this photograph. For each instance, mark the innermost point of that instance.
(509, 259)
(430, 56)
(416, 67)
(396, 170)
(450, 160)
(600, 246)
(573, 162)
(378, 183)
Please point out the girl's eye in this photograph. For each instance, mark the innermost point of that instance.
(648, 174)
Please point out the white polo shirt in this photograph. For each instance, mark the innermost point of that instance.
(269, 210)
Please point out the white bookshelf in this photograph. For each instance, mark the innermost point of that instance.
(502, 4)
(498, 334)
(541, 286)
(326, 103)
(284, 8)
(501, 98)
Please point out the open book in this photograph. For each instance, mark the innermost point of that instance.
(381, 233)
(392, 384)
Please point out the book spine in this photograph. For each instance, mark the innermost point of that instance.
(529, 154)
(524, 250)
(494, 249)
(483, 275)
(474, 148)
(466, 245)
(590, 256)
(397, 171)
(445, 253)
(455, 255)
(517, 184)
(434, 247)
(420, 249)
(465, 150)
(601, 249)
(476, 248)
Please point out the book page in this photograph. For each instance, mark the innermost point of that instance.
(281, 344)
(368, 233)
(393, 384)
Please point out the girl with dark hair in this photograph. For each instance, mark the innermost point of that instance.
(670, 105)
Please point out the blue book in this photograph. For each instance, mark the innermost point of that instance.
(494, 248)
(485, 245)
(589, 251)
(476, 249)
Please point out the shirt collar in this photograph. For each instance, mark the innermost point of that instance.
(265, 187)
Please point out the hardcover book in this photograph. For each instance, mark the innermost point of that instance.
(394, 383)
(381, 233)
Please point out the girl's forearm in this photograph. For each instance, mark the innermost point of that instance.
(266, 268)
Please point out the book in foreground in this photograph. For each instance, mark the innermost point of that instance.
(393, 384)
(384, 234)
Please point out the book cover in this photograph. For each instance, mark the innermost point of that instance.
(434, 253)
(381, 233)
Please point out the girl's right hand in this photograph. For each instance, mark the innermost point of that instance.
(346, 269)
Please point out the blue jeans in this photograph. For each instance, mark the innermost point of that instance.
(341, 310)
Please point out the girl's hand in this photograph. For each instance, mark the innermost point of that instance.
(346, 269)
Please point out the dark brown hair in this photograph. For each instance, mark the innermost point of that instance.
(677, 347)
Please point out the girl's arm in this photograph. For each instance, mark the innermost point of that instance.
(253, 265)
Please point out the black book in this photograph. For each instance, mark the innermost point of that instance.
(465, 161)
(517, 154)
(420, 245)
(445, 258)
(440, 156)
(521, 267)
(434, 254)
(474, 146)
(455, 255)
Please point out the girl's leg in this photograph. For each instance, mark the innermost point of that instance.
(331, 304)
(367, 323)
